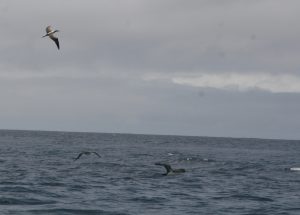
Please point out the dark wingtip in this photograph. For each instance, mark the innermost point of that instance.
(56, 42)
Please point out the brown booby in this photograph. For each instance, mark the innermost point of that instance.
(169, 168)
(86, 153)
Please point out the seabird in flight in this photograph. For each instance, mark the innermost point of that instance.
(169, 169)
(50, 33)
(86, 153)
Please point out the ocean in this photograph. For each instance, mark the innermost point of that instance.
(38, 174)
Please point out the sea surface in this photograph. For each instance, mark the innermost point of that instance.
(38, 174)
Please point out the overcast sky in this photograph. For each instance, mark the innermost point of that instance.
(186, 67)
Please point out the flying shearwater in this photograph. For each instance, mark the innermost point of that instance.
(50, 33)
(169, 169)
(86, 153)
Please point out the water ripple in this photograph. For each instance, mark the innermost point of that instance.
(223, 175)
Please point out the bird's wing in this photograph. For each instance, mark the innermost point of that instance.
(78, 156)
(167, 166)
(49, 29)
(55, 39)
(97, 154)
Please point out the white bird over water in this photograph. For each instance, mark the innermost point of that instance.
(50, 33)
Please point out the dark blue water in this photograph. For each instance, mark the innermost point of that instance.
(223, 175)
